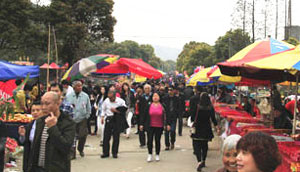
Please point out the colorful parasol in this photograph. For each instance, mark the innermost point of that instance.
(256, 51)
(86, 66)
(200, 78)
(216, 74)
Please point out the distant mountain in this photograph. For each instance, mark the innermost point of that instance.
(166, 53)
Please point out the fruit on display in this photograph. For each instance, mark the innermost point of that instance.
(23, 118)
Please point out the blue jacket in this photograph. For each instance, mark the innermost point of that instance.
(81, 104)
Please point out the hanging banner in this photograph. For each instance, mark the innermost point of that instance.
(6, 89)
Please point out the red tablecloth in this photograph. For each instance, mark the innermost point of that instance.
(224, 111)
(290, 153)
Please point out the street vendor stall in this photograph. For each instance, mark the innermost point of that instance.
(10, 72)
(277, 66)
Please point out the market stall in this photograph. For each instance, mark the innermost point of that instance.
(10, 72)
(277, 66)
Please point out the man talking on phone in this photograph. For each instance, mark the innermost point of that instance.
(54, 136)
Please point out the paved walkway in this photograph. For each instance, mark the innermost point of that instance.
(133, 159)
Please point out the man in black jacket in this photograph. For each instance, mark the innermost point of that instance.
(2, 144)
(181, 109)
(54, 136)
(172, 105)
(144, 100)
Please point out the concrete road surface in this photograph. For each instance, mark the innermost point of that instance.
(133, 159)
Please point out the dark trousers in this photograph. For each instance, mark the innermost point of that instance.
(111, 129)
(200, 149)
(92, 118)
(2, 152)
(154, 132)
(180, 123)
(37, 169)
(142, 135)
(1, 160)
(171, 133)
(81, 133)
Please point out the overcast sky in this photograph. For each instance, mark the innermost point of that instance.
(173, 23)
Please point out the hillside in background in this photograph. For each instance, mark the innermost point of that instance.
(166, 53)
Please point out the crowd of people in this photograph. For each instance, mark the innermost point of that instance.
(64, 115)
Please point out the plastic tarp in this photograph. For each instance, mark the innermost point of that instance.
(12, 71)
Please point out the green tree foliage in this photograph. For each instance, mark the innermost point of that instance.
(194, 54)
(229, 44)
(201, 54)
(79, 25)
(168, 66)
(293, 41)
(129, 49)
(20, 33)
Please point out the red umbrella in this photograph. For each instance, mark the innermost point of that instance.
(54, 66)
(139, 67)
(44, 66)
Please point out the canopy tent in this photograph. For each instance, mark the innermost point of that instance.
(126, 65)
(139, 67)
(12, 71)
(235, 66)
(51, 66)
(115, 68)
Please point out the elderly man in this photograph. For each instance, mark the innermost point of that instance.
(113, 111)
(82, 110)
(144, 101)
(54, 135)
(67, 108)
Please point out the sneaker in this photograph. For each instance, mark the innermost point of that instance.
(167, 148)
(149, 159)
(202, 165)
(157, 158)
(172, 146)
(199, 168)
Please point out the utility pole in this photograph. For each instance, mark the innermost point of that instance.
(285, 20)
(48, 57)
(266, 18)
(229, 48)
(244, 18)
(276, 27)
(253, 24)
(56, 53)
(290, 17)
